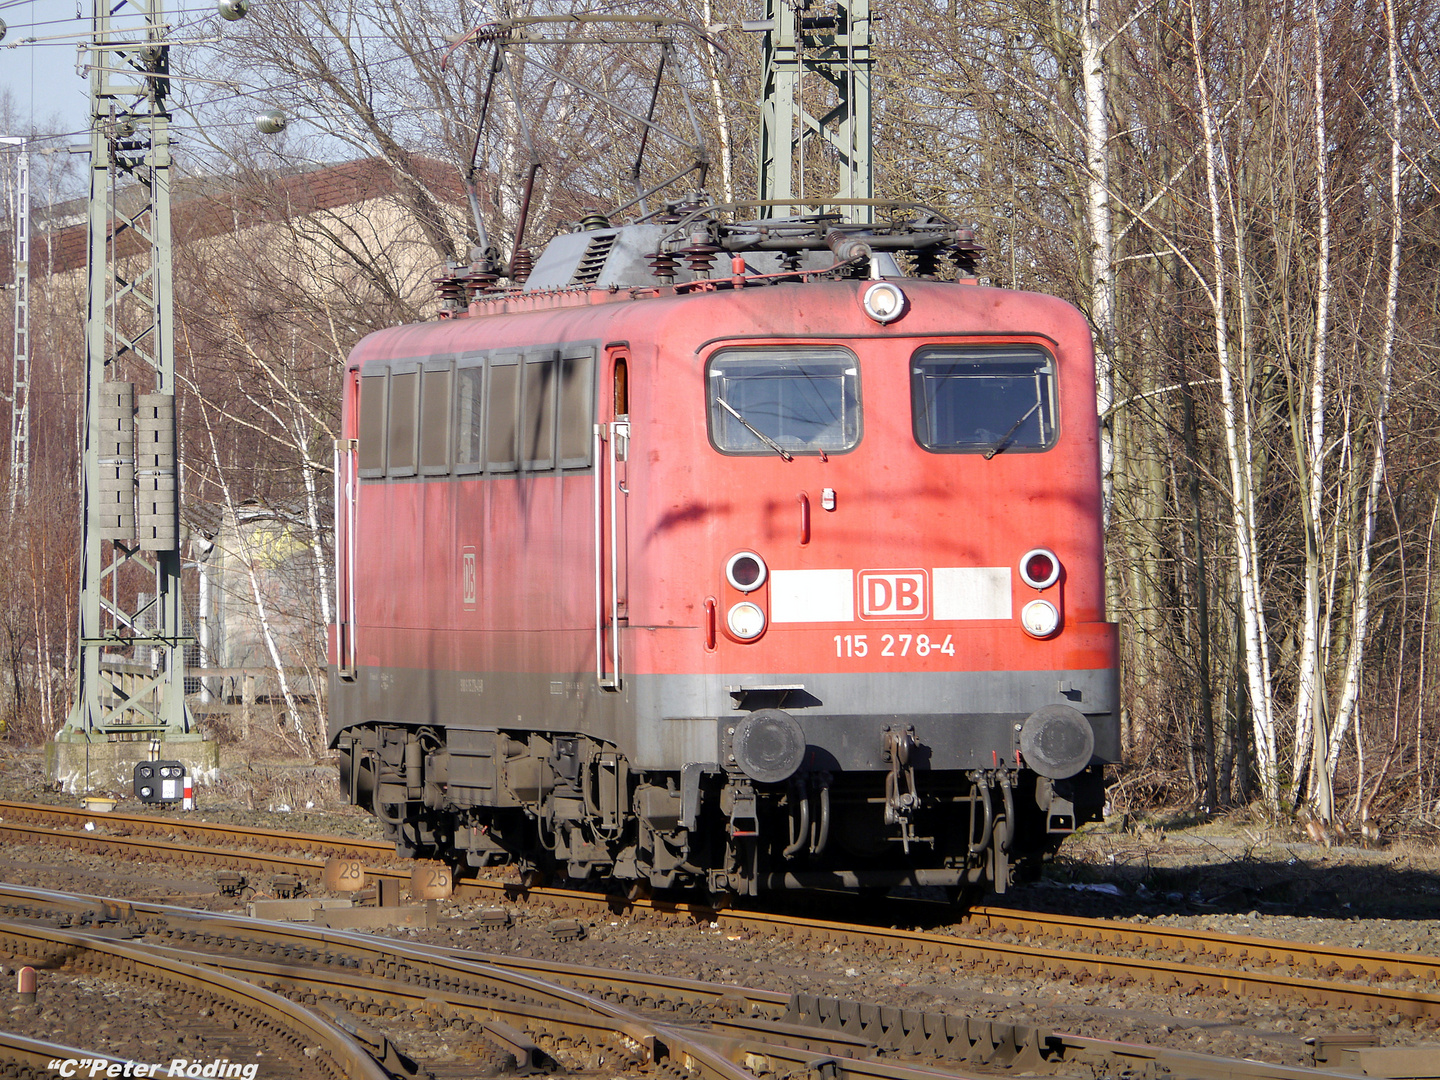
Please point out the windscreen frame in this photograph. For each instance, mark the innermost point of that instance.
(1004, 437)
(721, 425)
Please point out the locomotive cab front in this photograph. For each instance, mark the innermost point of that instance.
(889, 529)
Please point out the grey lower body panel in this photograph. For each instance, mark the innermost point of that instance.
(960, 719)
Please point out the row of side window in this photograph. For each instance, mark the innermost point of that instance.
(503, 412)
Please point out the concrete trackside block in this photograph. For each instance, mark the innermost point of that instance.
(293, 910)
(423, 916)
(81, 766)
(1396, 1062)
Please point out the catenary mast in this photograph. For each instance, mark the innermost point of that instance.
(20, 400)
(130, 585)
(831, 43)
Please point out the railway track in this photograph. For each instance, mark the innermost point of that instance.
(302, 1044)
(37, 1059)
(545, 1013)
(201, 833)
(991, 939)
(334, 991)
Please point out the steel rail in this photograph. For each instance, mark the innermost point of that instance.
(815, 1035)
(34, 1057)
(1352, 963)
(504, 992)
(271, 839)
(412, 973)
(99, 843)
(748, 1044)
(1189, 946)
(1161, 974)
(505, 996)
(344, 1055)
(758, 1042)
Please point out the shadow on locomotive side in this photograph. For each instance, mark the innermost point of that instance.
(782, 574)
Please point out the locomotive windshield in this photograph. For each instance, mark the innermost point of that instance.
(983, 399)
(770, 400)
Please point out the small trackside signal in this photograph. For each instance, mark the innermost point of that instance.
(161, 781)
(1039, 568)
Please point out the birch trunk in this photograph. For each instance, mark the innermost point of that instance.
(722, 113)
(1310, 736)
(312, 517)
(1238, 457)
(1421, 695)
(1102, 241)
(1355, 656)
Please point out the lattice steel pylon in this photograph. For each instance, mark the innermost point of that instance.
(832, 42)
(131, 683)
(20, 385)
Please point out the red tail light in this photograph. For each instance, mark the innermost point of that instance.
(745, 571)
(1039, 568)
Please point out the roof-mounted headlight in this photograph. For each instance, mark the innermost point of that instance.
(883, 301)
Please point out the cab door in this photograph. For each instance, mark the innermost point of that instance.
(612, 450)
(347, 509)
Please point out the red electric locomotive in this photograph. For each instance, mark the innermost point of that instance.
(724, 554)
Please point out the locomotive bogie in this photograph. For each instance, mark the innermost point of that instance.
(745, 590)
(571, 806)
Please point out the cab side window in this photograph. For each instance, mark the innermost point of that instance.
(435, 412)
(502, 427)
(404, 407)
(372, 423)
(469, 419)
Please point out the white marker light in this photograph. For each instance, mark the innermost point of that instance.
(1039, 618)
(746, 621)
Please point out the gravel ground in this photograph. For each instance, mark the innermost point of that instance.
(1231, 876)
(143, 1025)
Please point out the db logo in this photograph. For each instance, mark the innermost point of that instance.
(893, 594)
(467, 576)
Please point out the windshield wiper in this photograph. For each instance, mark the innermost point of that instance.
(1005, 439)
(771, 443)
